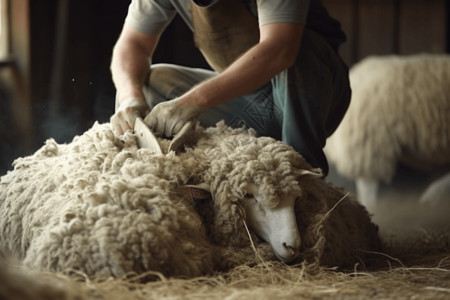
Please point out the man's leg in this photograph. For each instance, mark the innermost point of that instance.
(313, 96)
(168, 81)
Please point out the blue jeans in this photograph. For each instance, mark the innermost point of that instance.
(300, 106)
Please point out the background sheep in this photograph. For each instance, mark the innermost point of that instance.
(400, 112)
(104, 207)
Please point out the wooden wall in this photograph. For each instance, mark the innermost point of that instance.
(391, 26)
(59, 83)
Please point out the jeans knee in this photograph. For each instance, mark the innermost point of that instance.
(162, 76)
(165, 82)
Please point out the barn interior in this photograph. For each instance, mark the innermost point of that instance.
(55, 82)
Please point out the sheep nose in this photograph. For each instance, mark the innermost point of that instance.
(290, 252)
(291, 249)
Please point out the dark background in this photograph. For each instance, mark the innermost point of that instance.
(57, 82)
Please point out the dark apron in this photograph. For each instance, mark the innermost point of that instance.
(224, 31)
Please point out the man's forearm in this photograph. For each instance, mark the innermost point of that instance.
(129, 69)
(251, 71)
(244, 76)
(130, 63)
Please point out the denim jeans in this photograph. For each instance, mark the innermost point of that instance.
(300, 106)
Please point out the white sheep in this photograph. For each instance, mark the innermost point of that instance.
(399, 112)
(104, 207)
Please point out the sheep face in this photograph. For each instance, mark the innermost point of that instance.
(276, 225)
(257, 180)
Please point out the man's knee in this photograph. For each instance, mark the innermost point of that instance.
(164, 83)
(163, 78)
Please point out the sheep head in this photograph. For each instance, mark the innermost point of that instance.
(276, 225)
(258, 183)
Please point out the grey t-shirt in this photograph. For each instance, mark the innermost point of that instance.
(152, 16)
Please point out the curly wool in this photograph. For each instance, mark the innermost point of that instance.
(101, 206)
(400, 111)
(104, 207)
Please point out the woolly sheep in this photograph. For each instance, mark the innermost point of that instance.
(400, 112)
(102, 206)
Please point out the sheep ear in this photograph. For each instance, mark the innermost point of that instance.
(311, 174)
(196, 191)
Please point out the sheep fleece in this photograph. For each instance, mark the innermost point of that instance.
(102, 206)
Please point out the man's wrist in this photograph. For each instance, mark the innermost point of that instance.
(131, 102)
(129, 89)
(193, 99)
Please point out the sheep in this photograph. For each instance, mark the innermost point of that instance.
(101, 206)
(399, 113)
(274, 174)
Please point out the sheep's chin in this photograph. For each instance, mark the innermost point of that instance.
(287, 255)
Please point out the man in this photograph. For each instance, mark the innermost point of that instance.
(276, 63)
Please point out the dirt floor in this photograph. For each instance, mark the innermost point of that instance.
(415, 264)
(408, 275)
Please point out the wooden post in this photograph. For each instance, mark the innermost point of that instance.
(20, 72)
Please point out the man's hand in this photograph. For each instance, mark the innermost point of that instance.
(173, 119)
(126, 113)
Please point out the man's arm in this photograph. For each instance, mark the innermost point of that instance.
(276, 51)
(129, 68)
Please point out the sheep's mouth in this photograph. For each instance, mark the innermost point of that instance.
(290, 255)
(287, 258)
